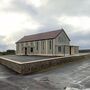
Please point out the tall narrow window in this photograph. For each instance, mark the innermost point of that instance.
(37, 45)
(50, 44)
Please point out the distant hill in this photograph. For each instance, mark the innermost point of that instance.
(84, 51)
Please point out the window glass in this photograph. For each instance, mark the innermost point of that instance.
(59, 49)
(50, 44)
(37, 45)
(31, 43)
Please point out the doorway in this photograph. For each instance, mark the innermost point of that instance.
(25, 51)
(31, 49)
(70, 50)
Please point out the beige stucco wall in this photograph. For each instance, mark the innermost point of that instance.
(65, 49)
(20, 48)
(74, 50)
(61, 40)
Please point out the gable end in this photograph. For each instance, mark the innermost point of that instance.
(65, 34)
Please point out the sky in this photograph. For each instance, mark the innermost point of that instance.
(25, 17)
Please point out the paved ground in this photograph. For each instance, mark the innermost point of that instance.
(75, 75)
(26, 58)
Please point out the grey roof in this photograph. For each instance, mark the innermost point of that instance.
(41, 36)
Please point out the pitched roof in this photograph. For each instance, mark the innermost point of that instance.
(41, 36)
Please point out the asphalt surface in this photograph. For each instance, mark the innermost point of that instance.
(74, 75)
(26, 58)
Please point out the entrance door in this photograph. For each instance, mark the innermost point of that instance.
(31, 49)
(25, 51)
(70, 50)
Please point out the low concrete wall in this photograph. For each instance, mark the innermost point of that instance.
(34, 66)
(16, 66)
(31, 67)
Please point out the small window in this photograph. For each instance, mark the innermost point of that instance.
(26, 43)
(31, 43)
(59, 49)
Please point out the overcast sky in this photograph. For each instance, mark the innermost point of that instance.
(24, 17)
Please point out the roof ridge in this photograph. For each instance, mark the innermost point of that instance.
(43, 32)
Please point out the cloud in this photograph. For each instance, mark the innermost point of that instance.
(36, 3)
(78, 29)
(81, 22)
(5, 4)
(24, 17)
(70, 7)
(3, 45)
(15, 25)
(12, 22)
